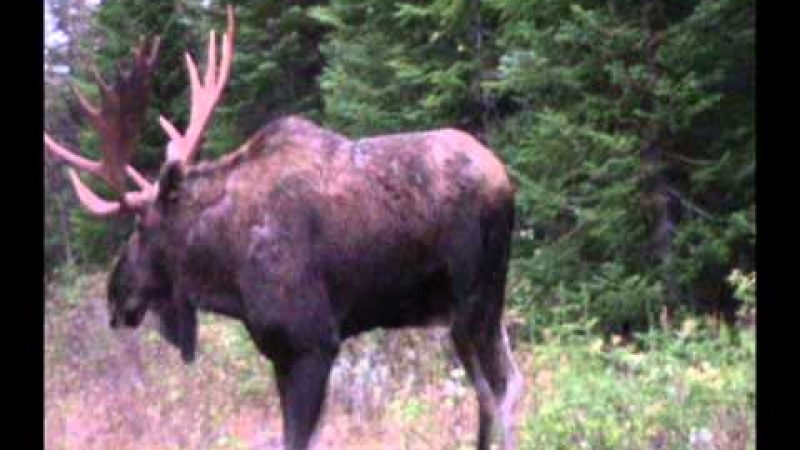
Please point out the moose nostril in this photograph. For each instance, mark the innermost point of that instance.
(114, 322)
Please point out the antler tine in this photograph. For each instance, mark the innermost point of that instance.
(204, 96)
(98, 206)
(105, 89)
(117, 121)
(211, 64)
(151, 60)
(70, 157)
(89, 110)
(94, 204)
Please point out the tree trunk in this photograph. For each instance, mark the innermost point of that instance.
(656, 191)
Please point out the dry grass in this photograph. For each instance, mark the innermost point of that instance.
(129, 390)
(399, 390)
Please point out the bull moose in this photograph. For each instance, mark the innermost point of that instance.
(307, 237)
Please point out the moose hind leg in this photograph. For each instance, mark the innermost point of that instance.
(504, 378)
(494, 352)
(302, 384)
(468, 356)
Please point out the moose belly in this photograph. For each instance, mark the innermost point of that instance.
(401, 275)
(380, 298)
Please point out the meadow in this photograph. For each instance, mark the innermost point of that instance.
(691, 386)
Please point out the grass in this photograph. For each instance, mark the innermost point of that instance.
(678, 389)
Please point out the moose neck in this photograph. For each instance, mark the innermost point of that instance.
(222, 202)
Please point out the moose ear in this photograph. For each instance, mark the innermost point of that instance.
(169, 184)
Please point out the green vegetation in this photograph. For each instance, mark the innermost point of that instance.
(683, 389)
(628, 128)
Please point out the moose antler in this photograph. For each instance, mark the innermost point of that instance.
(117, 121)
(119, 117)
(204, 96)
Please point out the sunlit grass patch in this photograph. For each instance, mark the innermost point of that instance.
(677, 392)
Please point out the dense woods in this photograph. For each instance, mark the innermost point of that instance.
(628, 126)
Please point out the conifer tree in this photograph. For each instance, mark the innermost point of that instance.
(394, 66)
(275, 71)
(624, 114)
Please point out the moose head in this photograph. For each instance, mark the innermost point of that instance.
(139, 278)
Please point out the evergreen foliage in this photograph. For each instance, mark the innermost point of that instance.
(628, 126)
(393, 66)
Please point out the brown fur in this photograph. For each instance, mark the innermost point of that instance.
(309, 237)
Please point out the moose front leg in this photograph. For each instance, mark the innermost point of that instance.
(302, 384)
(295, 327)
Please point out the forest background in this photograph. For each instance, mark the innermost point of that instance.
(628, 128)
